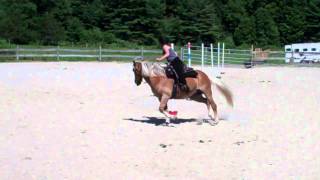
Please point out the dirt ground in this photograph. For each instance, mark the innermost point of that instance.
(64, 120)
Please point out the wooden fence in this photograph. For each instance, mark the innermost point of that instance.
(58, 53)
(198, 55)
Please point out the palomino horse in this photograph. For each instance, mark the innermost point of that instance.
(162, 87)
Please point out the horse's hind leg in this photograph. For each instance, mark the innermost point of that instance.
(211, 102)
(199, 98)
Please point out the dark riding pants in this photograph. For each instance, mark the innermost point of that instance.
(178, 66)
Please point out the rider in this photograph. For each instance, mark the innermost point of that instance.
(174, 60)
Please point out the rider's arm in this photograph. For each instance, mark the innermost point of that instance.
(166, 53)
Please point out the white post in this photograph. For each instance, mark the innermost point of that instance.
(222, 63)
(211, 50)
(58, 57)
(218, 68)
(142, 52)
(172, 46)
(202, 56)
(218, 55)
(17, 53)
(189, 54)
(252, 55)
(100, 53)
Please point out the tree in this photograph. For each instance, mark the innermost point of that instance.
(239, 22)
(312, 30)
(245, 33)
(74, 28)
(234, 11)
(90, 13)
(198, 22)
(292, 21)
(266, 30)
(51, 31)
(17, 21)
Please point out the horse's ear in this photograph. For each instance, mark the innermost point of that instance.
(134, 62)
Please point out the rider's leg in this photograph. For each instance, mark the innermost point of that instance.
(175, 74)
(178, 66)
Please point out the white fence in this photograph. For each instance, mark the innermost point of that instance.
(219, 56)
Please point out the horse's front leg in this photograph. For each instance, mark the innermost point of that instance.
(163, 108)
(166, 107)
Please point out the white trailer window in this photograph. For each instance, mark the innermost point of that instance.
(314, 49)
(296, 50)
(305, 49)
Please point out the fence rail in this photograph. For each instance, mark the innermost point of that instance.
(214, 56)
(59, 53)
(219, 56)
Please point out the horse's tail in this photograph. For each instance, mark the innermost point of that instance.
(224, 90)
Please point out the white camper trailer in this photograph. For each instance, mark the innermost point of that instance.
(303, 53)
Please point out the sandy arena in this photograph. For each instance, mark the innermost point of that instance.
(80, 121)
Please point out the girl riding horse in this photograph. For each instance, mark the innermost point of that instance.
(174, 61)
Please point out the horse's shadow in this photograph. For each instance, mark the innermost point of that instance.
(157, 121)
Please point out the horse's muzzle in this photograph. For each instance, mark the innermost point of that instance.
(137, 82)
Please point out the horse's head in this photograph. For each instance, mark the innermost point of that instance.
(137, 69)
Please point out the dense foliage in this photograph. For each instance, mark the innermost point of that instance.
(236, 22)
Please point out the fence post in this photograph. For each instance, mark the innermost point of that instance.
(202, 55)
(211, 50)
(17, 53)
(189, 54)
(218, 55)
(252, 56)
(222, 62)
(100, 53)
(58, 56)
(181, 54)
(218, 65)
(142, 52)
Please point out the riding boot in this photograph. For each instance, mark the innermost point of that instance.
(184, 87)
(183, 83)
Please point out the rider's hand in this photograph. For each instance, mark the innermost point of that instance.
(158, 59)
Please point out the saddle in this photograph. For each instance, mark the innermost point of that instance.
(187, 72)
(171, 73)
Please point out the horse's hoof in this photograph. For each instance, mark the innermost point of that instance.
(167, 120)
(213, 123)
(167, 124)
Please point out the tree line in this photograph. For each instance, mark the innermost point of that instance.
(262, 23)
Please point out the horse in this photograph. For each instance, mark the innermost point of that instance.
(162, 87)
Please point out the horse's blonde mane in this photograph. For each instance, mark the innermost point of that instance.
(150, 69)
